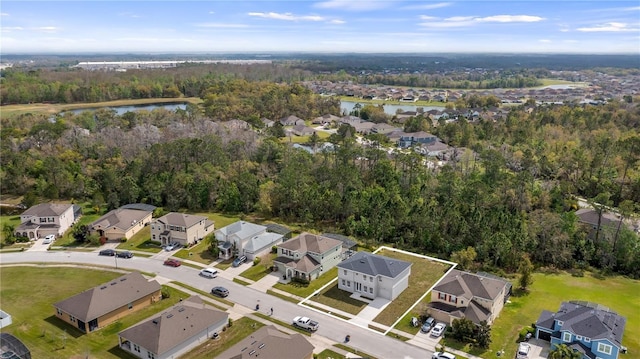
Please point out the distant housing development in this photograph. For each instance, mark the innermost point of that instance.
(130, 65)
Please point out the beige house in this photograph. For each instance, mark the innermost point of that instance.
(308, 256)
(373, 276)
(186, 229)
(269, 342)
(175, 331)
(477, 297)
(124, 222)
(44, 219)
(108, 302)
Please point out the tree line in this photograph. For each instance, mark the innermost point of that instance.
(507, 194)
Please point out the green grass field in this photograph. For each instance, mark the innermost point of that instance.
(28, 294)
(339, 299)
(549, 290)
(305, 290)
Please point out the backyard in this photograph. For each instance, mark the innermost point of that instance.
(29, 300)
(548, 291)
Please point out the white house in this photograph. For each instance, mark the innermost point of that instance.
(47, 218)
(245, 238)
(175, 331)
(186, 229)
(374, 276)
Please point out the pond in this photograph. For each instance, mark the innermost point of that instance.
(389, 109)
(120, 110)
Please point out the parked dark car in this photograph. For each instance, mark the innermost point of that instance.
(107, 252)
(428, 324)
(172, 263)
(124, 254)
(220, 291)
(238, 261)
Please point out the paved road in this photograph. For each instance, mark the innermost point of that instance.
(334, 329)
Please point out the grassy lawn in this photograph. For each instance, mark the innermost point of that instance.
(29, 300)
(241, 282)
(329, 354)
(239, 330)
(197, 253)
(339, 299)
(259, 271)
(352, 350)
(11, 110)
(424, 273)
(549, 290)
(141, 241)
(10, 220)
(417, 311)
(220, 220)
(224, 264)
(305, 290)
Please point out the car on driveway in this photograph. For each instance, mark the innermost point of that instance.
(438, 355)
(172, 263)
(438, 330)
(238, 261)
(209, 273)
(523, 351)
(220, 291)
(49, 239)
(171, 246)
(428, 324)
(107, 252)
(124, 254)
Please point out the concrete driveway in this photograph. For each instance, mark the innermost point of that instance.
(38, 246)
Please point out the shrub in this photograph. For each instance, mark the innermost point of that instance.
(524, 333)
(256, 261)
(22, 239)
(165, 293)
(230, 322)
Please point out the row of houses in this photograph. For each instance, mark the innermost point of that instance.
(174, 331)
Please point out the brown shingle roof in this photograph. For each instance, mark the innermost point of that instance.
(122, 218)
(307, 242)
(175, 325)
(47, 209)
(107, 297)
(470, 285)
(181, 219)
(269, 342)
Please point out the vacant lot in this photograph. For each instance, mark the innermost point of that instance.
(424, 273)
(549, 290)
(28, 294)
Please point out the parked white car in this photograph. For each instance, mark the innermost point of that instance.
(523, 351)
(49, 239)
(209, 273)
(438, 330)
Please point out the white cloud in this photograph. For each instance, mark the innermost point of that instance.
(3, 14)
(129, 14)
(286, 16)
(337, 22)
(428, 6)
(546, 41)
(12, 28)
(220, 25)
(609, 27)
(463, 21)
(353, 5)
(212, 12)
(47, 29)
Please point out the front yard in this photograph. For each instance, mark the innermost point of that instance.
(260, 270)
(305, 290)
(29, 300)
(141, 241)
(339, 299)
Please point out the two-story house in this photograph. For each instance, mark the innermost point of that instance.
(477, 297)
(245, 238)
(186, 229)
(372, 276)
(416, 138)
(588, 328)
(44, 219)
(308, 256)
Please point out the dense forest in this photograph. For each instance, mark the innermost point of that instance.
(509, 194)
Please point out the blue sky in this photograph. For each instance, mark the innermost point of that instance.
(387, 26)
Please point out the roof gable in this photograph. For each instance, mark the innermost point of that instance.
(471, 285)
(182, 219)
(47, 210)
(307, 242)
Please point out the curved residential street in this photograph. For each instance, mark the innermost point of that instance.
(333, 329)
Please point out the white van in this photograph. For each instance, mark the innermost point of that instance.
(209, 273)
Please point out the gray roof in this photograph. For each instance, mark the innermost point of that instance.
(471, 285)
(242, 229)
(47, 209)
(183, 219)
(587, 319)
(346, 241)
(263, 240)
(122, 218)
(175, 325)
(307, 242)
(373, 265)
(269, 342)
(107, 297)
(590, 216)
(278, 228)
(140, 206)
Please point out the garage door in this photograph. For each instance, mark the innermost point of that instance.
(544, 335)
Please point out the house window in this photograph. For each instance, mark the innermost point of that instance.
(348, 283)
(364, 276)
(442, 296)
(150, 355)
(344, 282)
(130, 305)
(370, 290)
(587, 340)
(59, 311)
(50, 220)
(345, 272)
(578, 337)
(379, 279)
(566, 337)
(136, 348)
(453, 299)
(604, 348)
(154, 237)
(72, 318)
(560, 323)
(371, 279)
(365, 289)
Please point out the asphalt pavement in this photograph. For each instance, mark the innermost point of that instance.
(363, 341)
